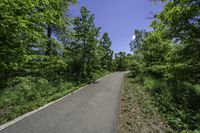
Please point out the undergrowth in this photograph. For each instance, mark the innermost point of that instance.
(25, 94)
(177, 102)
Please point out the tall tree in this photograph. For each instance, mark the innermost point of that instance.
(154, 51)
(23, 37)
(181, 22)
(136, 42)
(106, 52)
(86, 34)
(54, 18)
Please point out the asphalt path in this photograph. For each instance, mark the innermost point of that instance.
(93, 109)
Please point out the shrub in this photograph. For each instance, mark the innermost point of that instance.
(135, 68)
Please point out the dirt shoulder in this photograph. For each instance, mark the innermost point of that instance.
(137, 113)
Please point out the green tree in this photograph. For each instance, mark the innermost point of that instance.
(105, 52)
(120, 61)
(169, 58)
(23, 39)
(180, 20)
(137, 41)
(154, 51)
(86, 34)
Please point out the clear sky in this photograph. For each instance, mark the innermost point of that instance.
(120, 18)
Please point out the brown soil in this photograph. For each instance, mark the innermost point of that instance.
(137, 113)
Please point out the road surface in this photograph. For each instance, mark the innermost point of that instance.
(93, 109)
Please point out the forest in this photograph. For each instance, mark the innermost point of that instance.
(46, 53)
(166, 63)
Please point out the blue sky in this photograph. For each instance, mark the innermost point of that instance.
(120, 18)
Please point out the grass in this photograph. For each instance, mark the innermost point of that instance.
(144, 97)
(25, 94)
(177, 102)
(138, 113)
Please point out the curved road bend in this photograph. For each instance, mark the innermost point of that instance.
(93, 109)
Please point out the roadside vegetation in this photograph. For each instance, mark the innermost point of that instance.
(166, 64)
(28, 93)
(138, 113)
(46, 53)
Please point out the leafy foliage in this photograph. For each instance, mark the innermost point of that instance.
(120, 61)
(46, 53)
(136, 42)
(169, 58)
(87, 34)
(105, 52)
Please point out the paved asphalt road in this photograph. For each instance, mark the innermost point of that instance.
(93, 109)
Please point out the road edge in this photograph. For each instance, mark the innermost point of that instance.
(119, 100)
(45, 106)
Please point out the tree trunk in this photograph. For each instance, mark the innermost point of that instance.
(49, 45)
(83, 59)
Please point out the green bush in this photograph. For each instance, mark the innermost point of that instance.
(178, 102)
(24, 94)
(135, 68)
(27, 93)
